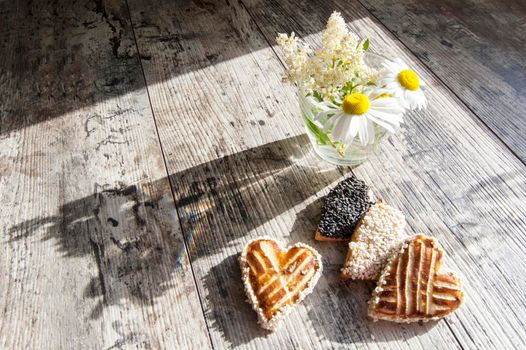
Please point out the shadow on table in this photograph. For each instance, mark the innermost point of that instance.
(130, 235)
(132, 232)
(229, 312)
(69, 55)
(225, 199)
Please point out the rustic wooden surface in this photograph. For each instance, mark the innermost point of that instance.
(92, 252)
(141, 146)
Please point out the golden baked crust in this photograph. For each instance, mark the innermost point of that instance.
(319, 237)
(276, 279)
(412, 286)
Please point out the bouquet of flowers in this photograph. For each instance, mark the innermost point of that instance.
(350, 98)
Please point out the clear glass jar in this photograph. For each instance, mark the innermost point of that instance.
(354, 154)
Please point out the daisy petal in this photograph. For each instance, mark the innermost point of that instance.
(388, 126)
(415, 99)
(401, 64)
(394, 112)
(323, 115)
(341, 128)
(366, 131)
(387, 116)
(330, 123)
(385, 102)
(352, 131)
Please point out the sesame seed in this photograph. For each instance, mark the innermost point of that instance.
(380, 234)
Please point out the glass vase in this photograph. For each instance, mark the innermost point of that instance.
(326, 148)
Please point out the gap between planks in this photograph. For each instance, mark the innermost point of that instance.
(170, 181)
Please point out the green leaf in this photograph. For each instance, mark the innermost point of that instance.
(366, 44)
(318, 133)
(317, 95)
(348, 88)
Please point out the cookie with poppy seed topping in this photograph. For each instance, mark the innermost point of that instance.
(344, 207)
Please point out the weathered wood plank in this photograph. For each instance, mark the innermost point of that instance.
(92, 254)
(476, 47)
(225, 121)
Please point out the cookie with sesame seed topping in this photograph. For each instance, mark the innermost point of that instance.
(344, 207)
(379, 234)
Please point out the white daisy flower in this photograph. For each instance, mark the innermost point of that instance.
(356, 115)
(403, 83)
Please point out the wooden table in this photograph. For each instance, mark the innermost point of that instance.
(143, 144)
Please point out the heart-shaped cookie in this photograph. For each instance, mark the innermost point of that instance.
(414, 287)
(277, 279)
(378, 235)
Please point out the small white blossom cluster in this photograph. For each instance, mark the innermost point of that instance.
(296, 55)
(327, 69)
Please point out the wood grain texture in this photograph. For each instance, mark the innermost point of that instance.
(477, 48)
(92, 252)
(237, 166)
(450, 176)
(240, 169)
(91, 255)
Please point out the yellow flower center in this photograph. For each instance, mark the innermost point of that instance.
(408, 79)
(355, 104)
(385, 94)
